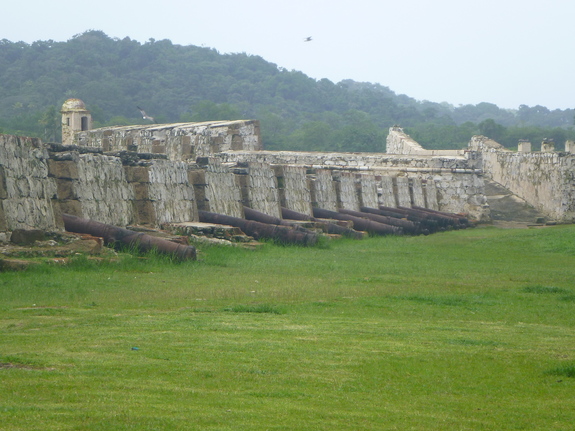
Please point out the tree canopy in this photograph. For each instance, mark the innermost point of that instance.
(190, 83)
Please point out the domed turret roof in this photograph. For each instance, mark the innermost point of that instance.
(73, 104)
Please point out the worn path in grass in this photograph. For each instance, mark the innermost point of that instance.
(467, 330)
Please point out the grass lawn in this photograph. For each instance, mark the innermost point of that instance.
(463, 330)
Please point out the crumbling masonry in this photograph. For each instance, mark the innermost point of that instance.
(159, 174)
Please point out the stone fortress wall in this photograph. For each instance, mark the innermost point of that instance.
(159, 174)
(38, 182)
(545, 179)
(179, 141)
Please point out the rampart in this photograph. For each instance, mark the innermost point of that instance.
(452, 184)
(113, 183)
(545, 179)
(400, 143)
(179, 141)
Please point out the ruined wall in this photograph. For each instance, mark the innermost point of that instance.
(25, 189)
(399, 142)
(323, 190)
(259, 188)
(92, 186)
(386, 192)
(180, 141)
(217, 188)
(39, 182)
(545, 180)
(294, 188)
(162, 192)
(455, 181)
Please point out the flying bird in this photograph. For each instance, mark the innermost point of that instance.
(146, 116)
(307, 39)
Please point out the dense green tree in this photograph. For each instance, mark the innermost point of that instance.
(207, 110)
(491, 129)
(190, 83)
(51, 121)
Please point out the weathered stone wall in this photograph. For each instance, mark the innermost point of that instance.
(91, 186)
(180, 141)
(169, 192)
(399, 142)
(217, 188)
(386, 163)
(368, 184)
(25, 189)
(40, 182)
(456, 181)
(115, 181)
(324, 194)
(260, 189)
(347, 190)
(545, 180)
(294, 188)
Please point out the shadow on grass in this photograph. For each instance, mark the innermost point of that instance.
(564, 371)
(544, 289)
(255, 308)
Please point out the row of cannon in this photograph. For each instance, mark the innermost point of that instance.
(291, 228)
(354, 224)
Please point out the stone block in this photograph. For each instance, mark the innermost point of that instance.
(27, 236)
(403, 192)
(197, 177)
(187, 148)
(65, 189)
(63, 169)
(72, 207)
(237, 142)
(137, 174)
(524, 147)
(141, 191)
(158, 148)
(145, 212)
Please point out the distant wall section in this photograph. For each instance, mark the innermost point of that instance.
(545, 179)
(179, 141)
(447, 183)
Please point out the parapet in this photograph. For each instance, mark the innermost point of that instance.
(179, 141)
(399, 142)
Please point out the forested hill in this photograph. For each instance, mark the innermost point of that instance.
(189, 83)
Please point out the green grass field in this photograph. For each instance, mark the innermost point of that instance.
(463, 330)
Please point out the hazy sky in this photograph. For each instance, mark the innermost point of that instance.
(507, 52)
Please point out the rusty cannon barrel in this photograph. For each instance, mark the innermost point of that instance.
(425, 220)
(327, 226)
(461, 219)
(410, 227)
(251, 214)
(360, 223)
(114, 235)
(260, 230)
(443, 221)
(294, 215)
(388, 211)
